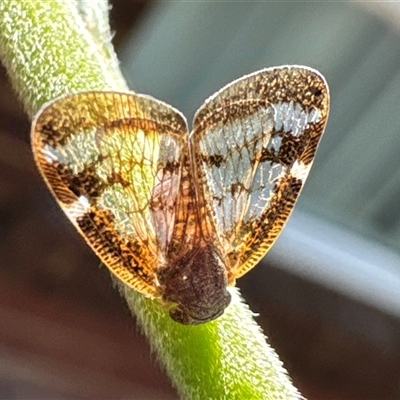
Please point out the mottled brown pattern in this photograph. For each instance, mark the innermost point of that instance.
(98, 228)
(283, 84)
(179, 219)
(50, 134)
(213, 160)
(256, 237)
(291, 149)
(85, 183)
(309, 152)
(249, 241)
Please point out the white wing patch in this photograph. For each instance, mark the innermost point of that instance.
(241, 184)
(293, 118)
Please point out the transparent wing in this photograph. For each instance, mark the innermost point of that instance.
(253, 144)
(112, 160)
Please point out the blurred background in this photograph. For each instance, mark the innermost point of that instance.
(328, 294)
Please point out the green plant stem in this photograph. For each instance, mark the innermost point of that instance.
(50, 48)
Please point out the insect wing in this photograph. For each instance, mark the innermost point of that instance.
(106, 157)
(253, 144)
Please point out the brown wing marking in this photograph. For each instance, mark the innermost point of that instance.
(130, 260)
(254, 142)
(257, 236)
(112, 161)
